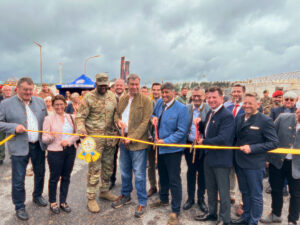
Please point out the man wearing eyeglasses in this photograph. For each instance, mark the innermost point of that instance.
(288, 106)
(197, 110)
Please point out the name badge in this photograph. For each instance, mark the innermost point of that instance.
(254, 128)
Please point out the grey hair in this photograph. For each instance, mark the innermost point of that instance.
(133, 76)
(198, 88)
(167, 85)
(290, 94)
(73, 95)
(22, 80)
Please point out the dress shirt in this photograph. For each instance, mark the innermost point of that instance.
(169, 104)
(67, 128)
(32, 124)
(290, 156)
(196, 113)
(125, 115)
(214, 111)
(237, 108)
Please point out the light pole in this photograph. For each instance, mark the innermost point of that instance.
(85, 62)
(41, 72)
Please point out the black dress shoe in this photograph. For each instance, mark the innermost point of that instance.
(239, 221)
(112, 184)
(206, 217)
(65, 207)
(55, 209)
(203, 206)
(22, 214)
(40, 201)
(188, 205)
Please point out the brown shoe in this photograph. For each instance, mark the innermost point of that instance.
(239, 210)
(93, 206)
(151, 191)
(173, 219)
(107, 195)
(157, 203)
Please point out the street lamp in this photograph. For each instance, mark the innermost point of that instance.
(85, 62)
(41, 72)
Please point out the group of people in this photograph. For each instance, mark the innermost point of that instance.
(255, 126)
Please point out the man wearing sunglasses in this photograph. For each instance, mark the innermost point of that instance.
(288, 106)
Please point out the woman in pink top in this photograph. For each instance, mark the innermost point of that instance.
(61, 152)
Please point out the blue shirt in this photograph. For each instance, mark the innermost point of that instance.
(196, 113)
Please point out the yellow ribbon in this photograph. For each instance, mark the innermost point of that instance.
(276, 151)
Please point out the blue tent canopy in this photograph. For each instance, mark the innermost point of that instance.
(81, 83)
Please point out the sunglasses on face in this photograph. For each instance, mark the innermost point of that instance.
(289, 99)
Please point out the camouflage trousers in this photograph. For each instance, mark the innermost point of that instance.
(100, 169)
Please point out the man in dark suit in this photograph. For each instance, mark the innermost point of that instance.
(237, 93)
(218, 129)
(285, 166)
(288, 106)
(255, 134)
(198, 109)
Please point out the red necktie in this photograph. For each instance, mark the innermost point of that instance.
(234, 111)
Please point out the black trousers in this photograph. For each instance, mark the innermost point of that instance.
(113, 176)
(60, 165)
(169, 174)
(19, 164)
(193, 169)
(277, 177)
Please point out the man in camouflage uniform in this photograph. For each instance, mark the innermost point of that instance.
(266, 103)
(95, 116)
(183, 96)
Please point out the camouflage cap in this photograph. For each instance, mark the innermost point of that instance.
(102, 79)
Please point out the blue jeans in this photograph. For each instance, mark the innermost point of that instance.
(135, 161)
(19, 164)
(251, 187)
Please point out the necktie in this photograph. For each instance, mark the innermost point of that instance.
(162, 112)
(234, 111)
(210, 116)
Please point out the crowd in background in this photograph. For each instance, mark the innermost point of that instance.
(119, 108)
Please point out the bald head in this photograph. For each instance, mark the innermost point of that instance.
(6, 91)
(119, 86)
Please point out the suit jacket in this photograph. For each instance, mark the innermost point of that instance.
(13, 113)
(173, 126)
(220, 131)
(258, 132)
(240, 112)
(139, 117)
(278, 110)
(285, 126)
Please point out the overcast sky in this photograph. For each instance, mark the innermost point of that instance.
(175, 40)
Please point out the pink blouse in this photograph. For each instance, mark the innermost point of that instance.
(54, 123)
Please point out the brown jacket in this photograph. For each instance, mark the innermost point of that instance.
(139, 117)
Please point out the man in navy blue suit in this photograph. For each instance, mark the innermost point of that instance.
(255, 134)
(238, 92)
(218, 129)
(172, 119)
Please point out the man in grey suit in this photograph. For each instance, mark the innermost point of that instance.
(285, 166)
(197, 111)
(17, 114)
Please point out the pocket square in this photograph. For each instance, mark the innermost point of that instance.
(254, 128)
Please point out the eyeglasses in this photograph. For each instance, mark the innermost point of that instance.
(289, 99)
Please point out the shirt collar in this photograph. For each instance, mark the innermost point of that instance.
(217, 109)
(200, 107)
(169, 103)
(23, 100)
